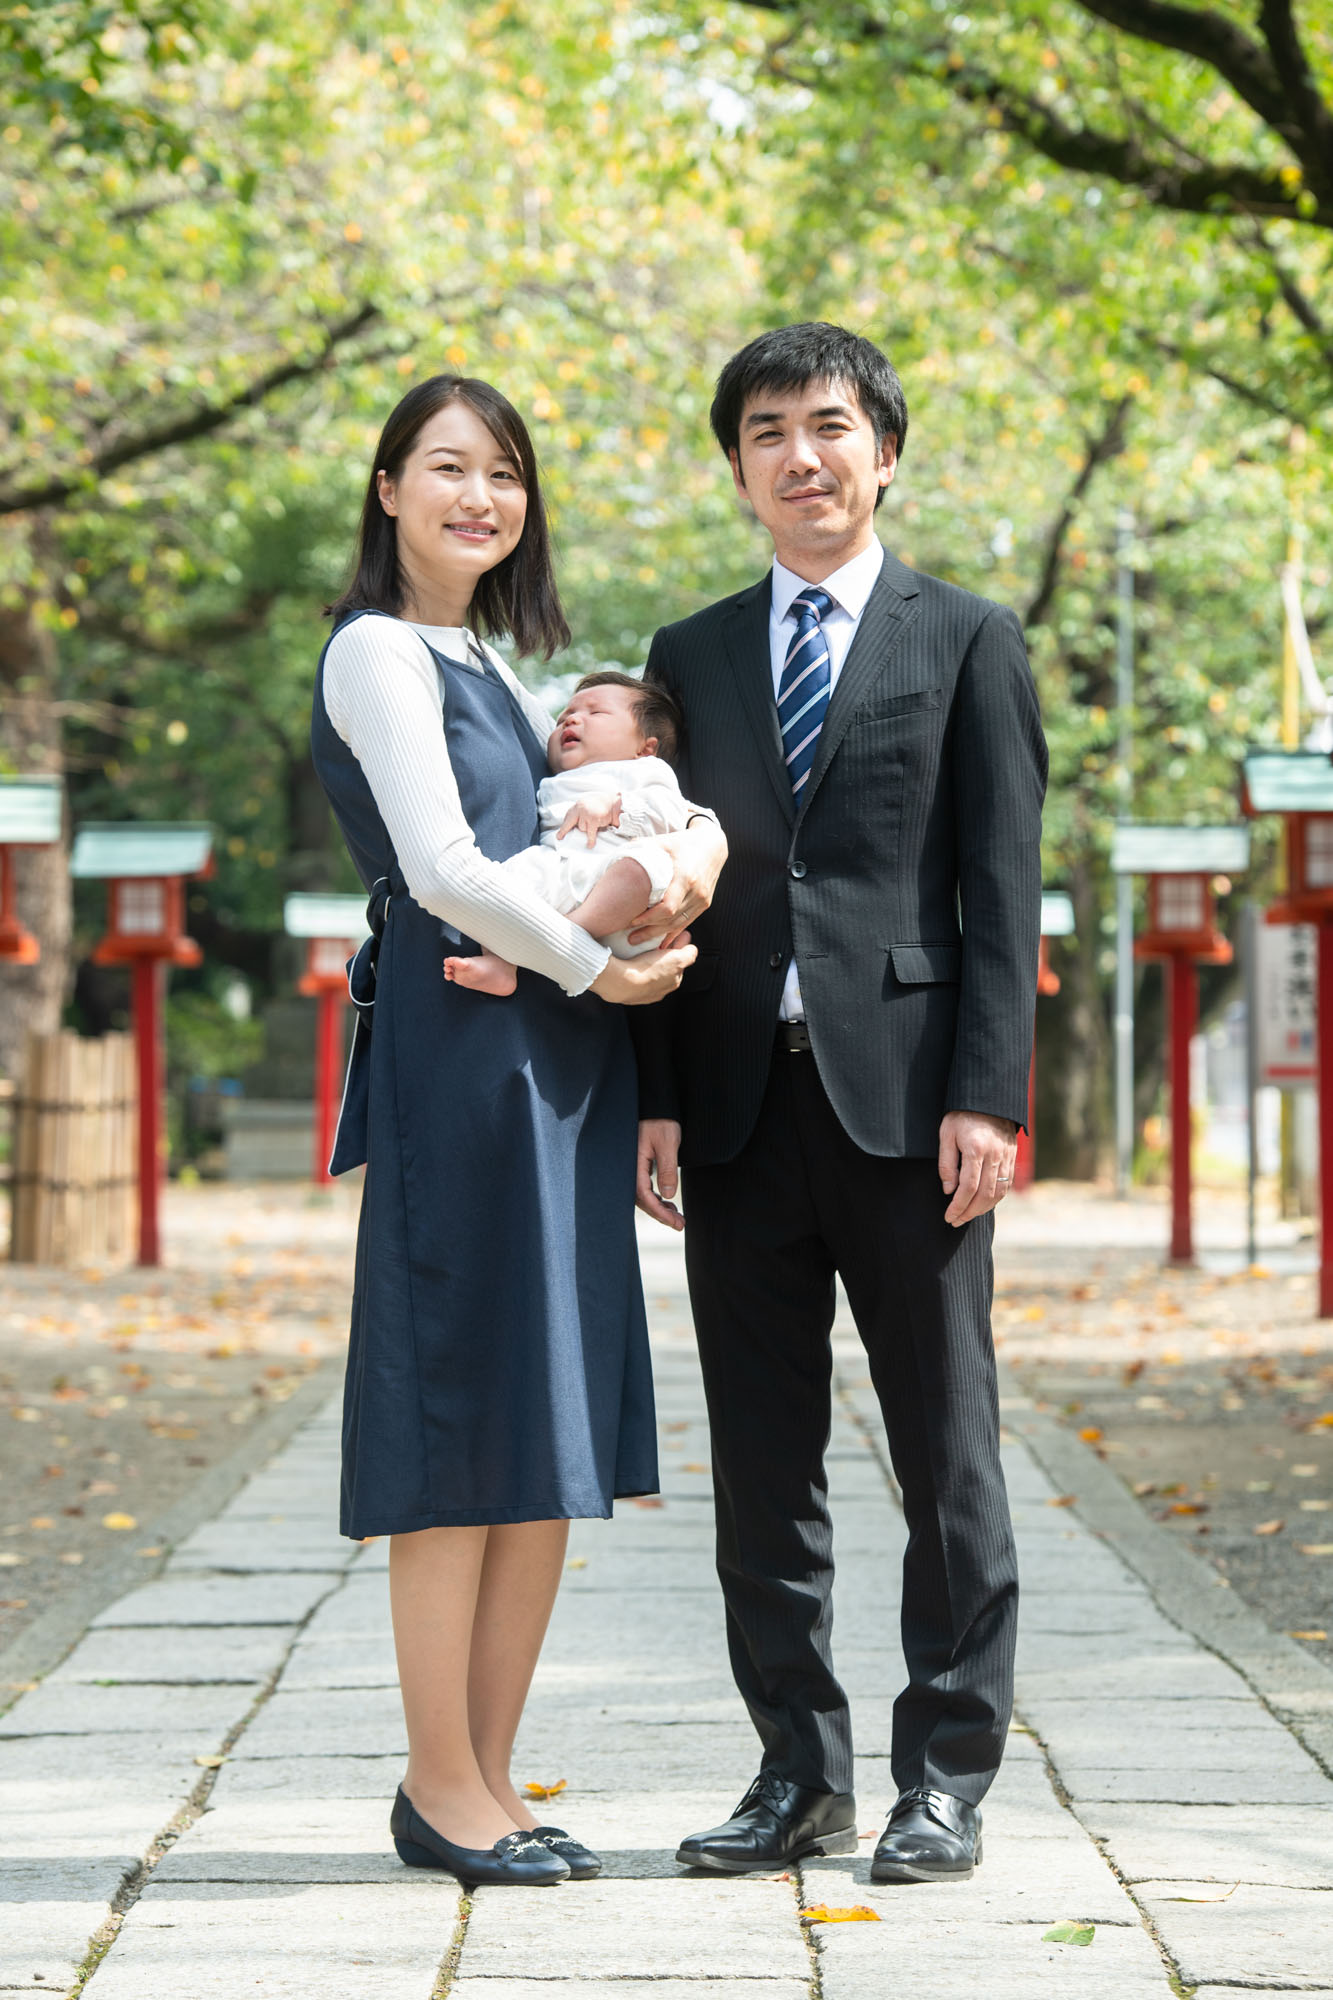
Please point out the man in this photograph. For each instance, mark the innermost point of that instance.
(843, 1073)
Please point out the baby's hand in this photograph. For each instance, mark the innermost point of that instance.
(590, 815)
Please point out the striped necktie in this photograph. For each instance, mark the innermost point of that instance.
(803, 688)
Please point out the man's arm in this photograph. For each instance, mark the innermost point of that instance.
(999, 782)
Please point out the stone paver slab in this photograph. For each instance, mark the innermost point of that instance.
(1232, 1783)
(49, 1908)
(219, 1600)
(211, 1941)
(326, 1777)
(191, 1655)
(315, 1721)
(72, 1708)
(1217, 1843)
(284, 1839)
(695, 1928)
(1248, 1936)
(902, 1955)
(365, 1662)
(630, 1989)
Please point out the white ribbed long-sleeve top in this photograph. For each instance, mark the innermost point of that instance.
(384, 695)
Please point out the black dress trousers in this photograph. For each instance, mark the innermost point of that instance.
(766, 1235)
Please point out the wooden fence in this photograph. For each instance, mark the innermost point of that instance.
(72, 1175)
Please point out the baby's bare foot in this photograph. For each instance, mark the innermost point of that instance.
(483, 974)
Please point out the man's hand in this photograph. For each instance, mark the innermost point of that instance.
(977, 1155)
(591, 815)
(659, 1149)
(698, 853)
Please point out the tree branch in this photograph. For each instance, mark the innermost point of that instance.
(1232, 185)
(18, 499)
(1108, 444)
(1213, 40)
(1302, 93)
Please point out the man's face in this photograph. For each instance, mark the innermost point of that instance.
(809, 467)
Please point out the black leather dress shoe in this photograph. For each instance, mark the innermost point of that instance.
(775, 1823)
(930, 1837)
(583, 1864)
(516, 1857)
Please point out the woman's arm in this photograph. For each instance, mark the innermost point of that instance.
(381, 690)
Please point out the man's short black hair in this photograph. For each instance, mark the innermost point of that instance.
(790, 358)
(657, 713)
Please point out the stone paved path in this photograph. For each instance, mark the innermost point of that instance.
(1148, 1789)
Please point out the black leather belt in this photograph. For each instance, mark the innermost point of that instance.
(794, 1036)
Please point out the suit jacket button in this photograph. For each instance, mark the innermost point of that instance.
(775, 960)
(797, 869)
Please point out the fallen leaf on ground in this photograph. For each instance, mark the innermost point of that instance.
(211, 1763)
(1315, 1548)
(536, 1791)
(1315, 1506)
(1258, 1486)
(577, 1562)
(13, 1603)
(1069, 1933)
(119, 1521)
(694, 1467)
(1324, 1420)
(1062, 1500)
(1206, 1899)
(10, 1559)
(70, 1556)
(1188, 1507)
(1143, 1487)
(1090, 1434)
(855, 1913)
(1270, 1527)
(1313, 1632)
(648, 1500)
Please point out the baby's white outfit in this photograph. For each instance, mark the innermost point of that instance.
(564, 872)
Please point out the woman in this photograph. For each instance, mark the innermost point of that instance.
(498, 1379)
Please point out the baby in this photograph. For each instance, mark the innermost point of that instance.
(613, 783)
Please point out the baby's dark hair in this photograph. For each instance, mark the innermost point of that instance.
(656, 712)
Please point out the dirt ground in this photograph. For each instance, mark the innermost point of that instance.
(1209, 1391)
(117, 1389)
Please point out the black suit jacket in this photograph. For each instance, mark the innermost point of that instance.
(908, 884)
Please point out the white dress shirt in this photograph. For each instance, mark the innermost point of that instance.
(850, 589)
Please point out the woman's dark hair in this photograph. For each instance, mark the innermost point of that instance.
(657, 713)
(792, 357)
(518, 597)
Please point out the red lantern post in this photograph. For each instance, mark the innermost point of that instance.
(1181, 863)
(333, 927)
(30, 810)
(1299, 785)
(145, 866)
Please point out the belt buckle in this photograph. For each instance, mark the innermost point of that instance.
(796, 1037)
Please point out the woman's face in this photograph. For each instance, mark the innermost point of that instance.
(459, 502)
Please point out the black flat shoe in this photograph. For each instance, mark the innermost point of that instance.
(930, 1837)
(517, 1857)
(583, 1863)
(776, 1823)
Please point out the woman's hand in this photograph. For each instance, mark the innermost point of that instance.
(636, 982)
(698, 853)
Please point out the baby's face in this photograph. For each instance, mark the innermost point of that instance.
(598, 725)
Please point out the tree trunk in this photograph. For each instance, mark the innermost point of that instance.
(32, 997)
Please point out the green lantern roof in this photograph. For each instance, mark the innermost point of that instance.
(1289, 781)
(1180, 850)
(30, 811)
(325, 917)
(140, 847)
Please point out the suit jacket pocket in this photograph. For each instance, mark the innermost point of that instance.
(889, 707)
(701, 974)
(927, 964)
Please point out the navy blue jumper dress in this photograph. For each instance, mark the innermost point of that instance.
(498, 1368)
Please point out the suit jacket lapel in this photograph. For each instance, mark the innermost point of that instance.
(746, 639)
(890, 610)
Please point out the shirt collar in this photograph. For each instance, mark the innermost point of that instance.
(849, 587)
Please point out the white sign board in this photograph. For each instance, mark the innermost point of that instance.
(1286, 978)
